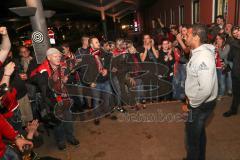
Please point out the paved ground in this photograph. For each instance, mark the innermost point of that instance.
(127, 139)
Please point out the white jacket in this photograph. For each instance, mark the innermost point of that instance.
(201, 83)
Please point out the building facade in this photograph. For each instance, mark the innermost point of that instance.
(190, 12)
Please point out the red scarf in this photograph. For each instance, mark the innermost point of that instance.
(117, 52)
(96, 54)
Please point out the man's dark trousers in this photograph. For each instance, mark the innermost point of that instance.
(195, 130)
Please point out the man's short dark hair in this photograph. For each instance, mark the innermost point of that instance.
(185, 25)
(201, 31)
(84, 36)
(165, 39)
(65, 44)
(235, 28)
(146, 34)
(221, 17)
(174, 28)
(19, 48)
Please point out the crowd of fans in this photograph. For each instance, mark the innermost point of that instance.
(115, 71)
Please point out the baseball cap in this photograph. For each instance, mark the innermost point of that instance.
(52, 51)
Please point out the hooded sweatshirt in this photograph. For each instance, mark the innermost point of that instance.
(201, 83)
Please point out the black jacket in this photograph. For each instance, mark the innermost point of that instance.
(234, 56)
(15, 80)
(106, 60)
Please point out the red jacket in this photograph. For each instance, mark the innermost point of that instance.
(218, 60)
(6, 131)
(44, 67)
(9, 101)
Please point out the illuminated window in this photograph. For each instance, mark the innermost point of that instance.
(195, 11)
(181, 14)
(172, 16)
(237, 13)
(221, 8)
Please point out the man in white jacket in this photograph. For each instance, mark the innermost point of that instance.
(201, 89)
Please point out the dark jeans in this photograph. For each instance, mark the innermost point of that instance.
(102, 99)
(64, 131)
(236, 94)
(34, 100)
(195, 130)
(117, 90)
(10, 154)
(16, 121)
(179, 82)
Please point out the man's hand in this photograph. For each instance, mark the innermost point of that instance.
(5, 44)
(170, 57)
(175, 43)
(32, 127)
(179, 37)
(152, 42)
(93, 85)
(21, 142)
(9, 68)
(185, 108)
(132, 82)
(165, 58)
(3, 31)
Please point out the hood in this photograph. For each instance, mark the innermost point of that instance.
(203, 47)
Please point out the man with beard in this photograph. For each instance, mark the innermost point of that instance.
(201, 89)
(102, 88)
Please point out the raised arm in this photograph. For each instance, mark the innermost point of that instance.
(180, 41)
(5, 45)
(8, 70)
(160, 23)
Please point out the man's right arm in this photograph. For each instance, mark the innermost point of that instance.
(183, 46)
(5, 45)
